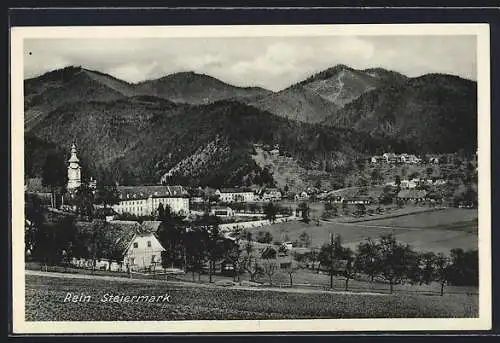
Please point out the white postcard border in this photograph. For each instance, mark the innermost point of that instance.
(20, 325)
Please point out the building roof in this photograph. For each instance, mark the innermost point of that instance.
(141, 192)
(412, 194)
(235, 190)
(117, 235)
(151, 225)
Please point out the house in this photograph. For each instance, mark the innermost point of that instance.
(358, 199)
(302, 196)
(376, 159)
(336, 199)
(404, 158)
(414, 195)
(145, 200)
(390, 157)
(288, 245)
(413, 159)
(434, 159)
(230, 195)
(271, 194)
(220, 211)
(408, 184)
(128, 246)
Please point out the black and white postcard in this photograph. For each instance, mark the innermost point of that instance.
(251, 178)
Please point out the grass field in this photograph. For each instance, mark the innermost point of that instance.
(438, 231)
(45, 302)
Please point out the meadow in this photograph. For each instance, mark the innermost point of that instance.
(45, 302)
(438, 231)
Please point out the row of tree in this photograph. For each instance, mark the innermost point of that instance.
(395, 262)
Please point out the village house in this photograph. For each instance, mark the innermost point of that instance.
(408, 184)
(220, 211)
(271, 194)
(376, 159)
(130, 246)
(230, 195)
(390, 157)
(145, 200)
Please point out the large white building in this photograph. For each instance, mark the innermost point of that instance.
(145, 200)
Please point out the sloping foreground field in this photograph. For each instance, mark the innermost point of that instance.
(45, 302)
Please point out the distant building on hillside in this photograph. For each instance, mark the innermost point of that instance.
(145, 200)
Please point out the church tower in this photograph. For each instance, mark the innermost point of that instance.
(74, 170)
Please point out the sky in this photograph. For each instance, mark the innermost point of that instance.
(270, 62)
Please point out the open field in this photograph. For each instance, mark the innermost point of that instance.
(449, 218)
(438, 231)
(45, 302)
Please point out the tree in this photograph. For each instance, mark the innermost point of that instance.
(368, 259)
(270, 266)
(333, 256)
(427, 267)
(270, 210)
(171, 236)
(304, 210)
(312, 257)
(233, 252)
(282, 250)
(388, 195)
(264, 237)
(269, 253)
(305, 239)
(397, 182)
(195, 251)
(349, 271)
(214, 242)
(441, 270)
(84, 201)
(250, 263)
(376, 176)
(54, 175)
(464, 267)
(291, 269)
(107, 194)
(429, 171)
(97, 241)
(395, 259)
(360, 209)
(160, 211)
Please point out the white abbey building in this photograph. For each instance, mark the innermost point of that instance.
(144, 200)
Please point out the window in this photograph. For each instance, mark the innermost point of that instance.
(136, 245)
(149, 244)
(153, 258)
